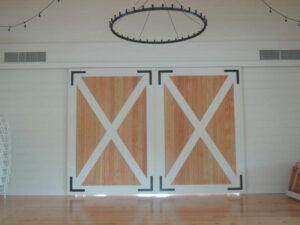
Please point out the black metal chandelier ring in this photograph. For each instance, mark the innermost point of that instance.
(154, 8)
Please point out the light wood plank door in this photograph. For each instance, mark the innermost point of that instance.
(108, 134)
(203, 149)
(155, 131)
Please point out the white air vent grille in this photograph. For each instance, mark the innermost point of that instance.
(25, 57)
(279, 54)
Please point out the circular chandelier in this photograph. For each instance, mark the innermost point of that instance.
(192, 15)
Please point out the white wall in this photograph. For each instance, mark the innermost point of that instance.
(35, 102)
(205, 51)
(75, 32)
(79, 21)
(78, 31)
(272, 126)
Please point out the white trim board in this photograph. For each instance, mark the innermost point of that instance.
(151, 64)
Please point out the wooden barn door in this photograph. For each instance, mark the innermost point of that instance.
(202, 134)
(155, 131)
(108, 131)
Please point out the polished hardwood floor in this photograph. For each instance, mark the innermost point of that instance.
(181, 210)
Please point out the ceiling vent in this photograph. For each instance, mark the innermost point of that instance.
(279, 54)
(24, 57)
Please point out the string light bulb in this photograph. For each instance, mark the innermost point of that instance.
(26, 21)
(278, 12)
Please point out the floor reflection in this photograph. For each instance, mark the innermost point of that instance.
(175, 210)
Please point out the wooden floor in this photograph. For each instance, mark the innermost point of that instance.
(183, 210)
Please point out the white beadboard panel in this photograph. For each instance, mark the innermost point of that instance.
(272, 126)
(35, 103)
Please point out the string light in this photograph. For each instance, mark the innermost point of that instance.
(25, 22)
(286, 18)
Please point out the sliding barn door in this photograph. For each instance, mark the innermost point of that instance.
(108, 131)
(155, 131)
(202, 138)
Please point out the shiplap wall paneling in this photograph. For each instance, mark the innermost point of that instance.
(39, 128)
(34, 102)
(272, 109)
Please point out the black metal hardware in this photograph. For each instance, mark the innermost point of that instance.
(151, 185)
(238, 188)
(237, 74)
(71, 187)
(150, 74)
(161, 186)
(160, 72)
(72, 75)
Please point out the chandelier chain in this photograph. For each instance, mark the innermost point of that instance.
(171, 18)
(146, 21)
(188, 16)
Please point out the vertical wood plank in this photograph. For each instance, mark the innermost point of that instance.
(111, 169)
(178, 129)
(296, 183)
(201, 168)
(222, 129)
(111, 93)
(199, 91)
(133, 132)
(89, 132)
(292, 177)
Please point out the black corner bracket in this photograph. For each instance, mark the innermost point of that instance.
(160, 72)
(161, 186)
(151, 185)
(72, 75)
(150, 74)
(239, 188)
(237, 74)
(71, 187)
